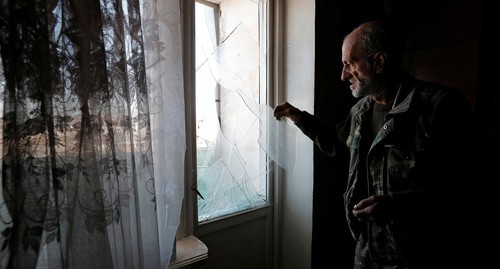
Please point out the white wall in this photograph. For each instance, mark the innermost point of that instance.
(299, 91)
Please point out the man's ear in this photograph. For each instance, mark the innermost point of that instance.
(379, 60)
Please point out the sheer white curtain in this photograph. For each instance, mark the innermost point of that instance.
(168, 121)
(93, 136)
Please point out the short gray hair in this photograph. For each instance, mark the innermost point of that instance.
(380, 36)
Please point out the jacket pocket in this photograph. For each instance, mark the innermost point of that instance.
(401, 169)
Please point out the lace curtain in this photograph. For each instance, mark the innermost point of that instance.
(92, 137)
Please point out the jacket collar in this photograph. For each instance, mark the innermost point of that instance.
(403, 102)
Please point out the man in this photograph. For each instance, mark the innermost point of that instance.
(407, 204)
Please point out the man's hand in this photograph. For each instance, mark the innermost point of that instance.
(287, 110)
(376, 208)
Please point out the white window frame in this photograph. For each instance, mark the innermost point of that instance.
(264, 39)
(274, 75)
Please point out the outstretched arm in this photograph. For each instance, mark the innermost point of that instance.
(325, 136)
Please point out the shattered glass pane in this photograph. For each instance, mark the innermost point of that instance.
(236, 132)
(231, 165)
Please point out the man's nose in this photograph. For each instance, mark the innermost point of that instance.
(344, 75)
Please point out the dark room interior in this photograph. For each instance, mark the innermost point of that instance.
(451, 42)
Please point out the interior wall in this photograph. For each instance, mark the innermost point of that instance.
(299, 90)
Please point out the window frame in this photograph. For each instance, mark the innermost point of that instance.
(191, 203)
(274, 73)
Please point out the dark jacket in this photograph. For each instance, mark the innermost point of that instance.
(421, 159)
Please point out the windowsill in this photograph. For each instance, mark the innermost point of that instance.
(190, 250)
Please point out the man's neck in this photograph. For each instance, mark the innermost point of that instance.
(388, 93)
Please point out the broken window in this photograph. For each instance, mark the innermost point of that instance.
(231, 169)
(235, 131)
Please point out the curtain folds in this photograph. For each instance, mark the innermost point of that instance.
(93, 133)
